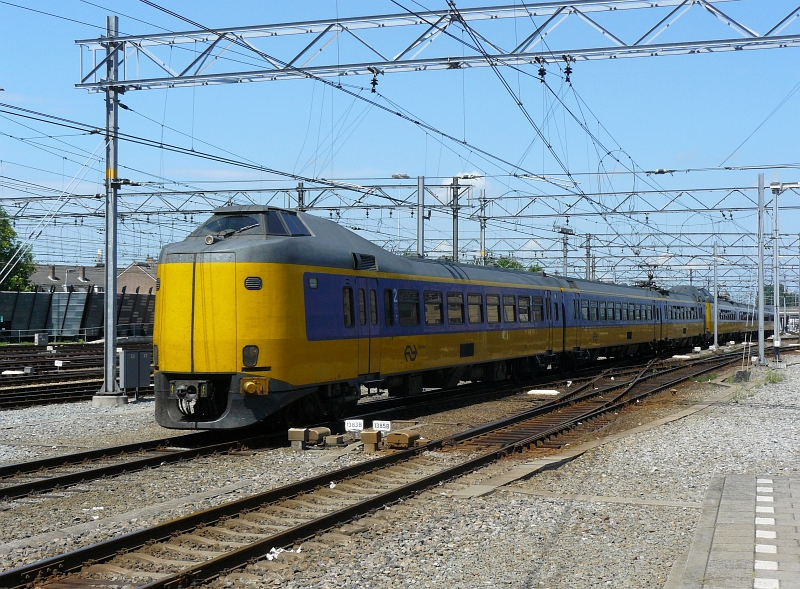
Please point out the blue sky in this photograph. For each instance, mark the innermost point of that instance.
(682, 112)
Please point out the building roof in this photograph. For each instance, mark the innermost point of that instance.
(77, 277)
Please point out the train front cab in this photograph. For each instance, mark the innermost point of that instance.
(223, 333)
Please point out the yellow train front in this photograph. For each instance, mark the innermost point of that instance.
(266, 313)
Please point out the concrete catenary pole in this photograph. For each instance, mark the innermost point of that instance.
(761, 359)
(716, 301)
(455, 218)
(421, 216)
(112, 184)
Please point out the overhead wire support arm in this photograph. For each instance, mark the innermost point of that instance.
(235, 67)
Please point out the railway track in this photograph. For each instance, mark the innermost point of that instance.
(201, 546)
(60, 472)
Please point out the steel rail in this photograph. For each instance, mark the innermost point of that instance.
(209, 569)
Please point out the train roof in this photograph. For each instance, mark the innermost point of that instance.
(335, 246)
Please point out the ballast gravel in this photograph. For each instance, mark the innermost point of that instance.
(530, 534)
(514, 538)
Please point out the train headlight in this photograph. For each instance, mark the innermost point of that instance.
(250, 355)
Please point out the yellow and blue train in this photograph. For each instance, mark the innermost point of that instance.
(264, 312)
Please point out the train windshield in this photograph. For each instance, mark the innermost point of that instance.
(235, 223)
(270, 223)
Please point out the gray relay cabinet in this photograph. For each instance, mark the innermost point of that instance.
(134, 368)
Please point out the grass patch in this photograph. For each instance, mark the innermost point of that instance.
(704, 377)
(773, 377)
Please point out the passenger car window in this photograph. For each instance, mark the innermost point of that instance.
(362, 307)
(538, 308)
(347, 299)
(373, 307)
(455, 308)
(602, 311)
(493, 308)
(408, 307)
(475, 304)
(433, 308)
(524, 309)
(509, 309)
(593, 310)
(585, 310)
(388, 307)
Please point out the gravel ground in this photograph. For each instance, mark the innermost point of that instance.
(51, 430)
(512, 538)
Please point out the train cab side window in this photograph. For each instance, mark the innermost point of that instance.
(408, 306)
(373, 307)
(475, 304)
(455, 308)
(347, 299)
(524, 309)
(362, 307)
(585, 310)
(493, 308)
(294, 224)
(538, 308)
(433, 308)
(593, 310)
(602, 311)
(509, 309)
(274, 225)
(388, 307)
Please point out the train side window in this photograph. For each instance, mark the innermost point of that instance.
(631, 312)
(433, 308)
(373, 307)
(638, 312)
(555, 310)
(624, 310)
(347, 299)
(585, 310)
(509, 309)
(362, 307)
(602, 311)
(294, 224)
(618, 311)
(388, 307)
(524, 309)
(455, 308)
(593, 310)
(475, 304)
(493, 308)
(610, 311)
(274, 224)
(538, 308)
(408, 307)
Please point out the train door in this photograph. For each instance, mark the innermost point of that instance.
(368, 325)
(562, 326)
(374, 327)
(548, 306)
(362, 322)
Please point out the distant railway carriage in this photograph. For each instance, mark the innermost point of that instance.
(263, 312)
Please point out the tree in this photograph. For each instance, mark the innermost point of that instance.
(785, 294)
(513, 264)
(22, 265)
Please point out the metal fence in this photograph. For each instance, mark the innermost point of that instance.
(72, 315)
